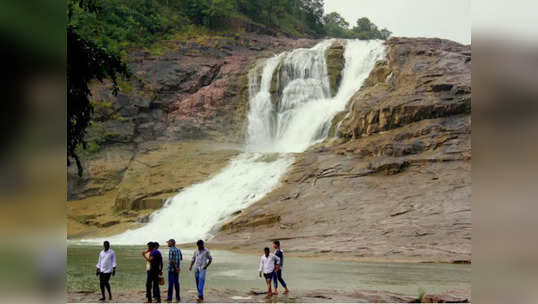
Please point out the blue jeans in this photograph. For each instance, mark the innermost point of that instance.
(173, 282)
(199, 275)
(277, 275)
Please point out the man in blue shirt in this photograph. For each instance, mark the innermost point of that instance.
(277, 275)
(174, 264)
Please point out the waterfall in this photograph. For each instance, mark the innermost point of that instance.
(290, 109)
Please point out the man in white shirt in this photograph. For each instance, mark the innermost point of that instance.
(106, 266)
(201, 260)
(268, 264)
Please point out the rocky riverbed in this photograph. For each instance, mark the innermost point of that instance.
(258, 296)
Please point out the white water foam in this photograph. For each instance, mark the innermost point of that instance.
(300, 117)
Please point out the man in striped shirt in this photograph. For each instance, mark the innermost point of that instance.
(174, 264)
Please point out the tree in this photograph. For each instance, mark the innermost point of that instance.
(385, 34)
(270, 12)
(85, 62)
(217, 11)
(365, 29)
(196, 10)
(337, 19)
(336, 26)
(312, 10)
(363, 25)
(251, 9)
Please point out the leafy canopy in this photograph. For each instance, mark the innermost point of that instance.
(85, 62)
(336, 26)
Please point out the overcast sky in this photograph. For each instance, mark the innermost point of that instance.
(411, 18)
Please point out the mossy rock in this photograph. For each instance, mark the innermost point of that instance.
(335, 64)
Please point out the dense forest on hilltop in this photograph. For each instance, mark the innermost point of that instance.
(123, 24)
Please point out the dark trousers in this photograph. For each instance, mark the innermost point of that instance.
(152, 282)
(103, 283)
(173, 282)
(277, 275)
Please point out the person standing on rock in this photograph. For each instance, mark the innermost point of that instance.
(106, 266)
(174, 263)
(277, 275)
(155, 270)
(201, 260)
(268, 264)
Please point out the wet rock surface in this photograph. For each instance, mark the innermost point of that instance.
(395, 184)
(127, 188)
(254, 296)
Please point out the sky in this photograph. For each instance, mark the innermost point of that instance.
(411, 18)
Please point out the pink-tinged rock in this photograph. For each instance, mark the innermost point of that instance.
(204, 105)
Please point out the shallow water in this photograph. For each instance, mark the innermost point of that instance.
(240, 272)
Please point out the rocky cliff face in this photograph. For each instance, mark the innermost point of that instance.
(195, 90)
(393, 182)
(396, 181)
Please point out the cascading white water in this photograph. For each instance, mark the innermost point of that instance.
(299, 117)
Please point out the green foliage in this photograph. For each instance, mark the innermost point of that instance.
(124, 24)
(336, 26)
(312, 12)
(86, 61)
(93, 147)
(128, 23)
(217, 12)
(101, 104)
(365, 29)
